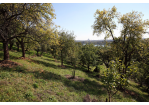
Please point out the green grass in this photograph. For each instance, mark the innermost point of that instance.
(40, 79)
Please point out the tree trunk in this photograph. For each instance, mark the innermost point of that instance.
(83, 64)
(125, 63)
(106, 64)
(88, 67)
(29, 53)
(22, 46)
(106, 100)
(41, 53)
(147, 89)
(6, 50)
(17, 43)
(11, 44)
(120, 86)
(37, 52)
(109, 98)
(61, 59)
(73, 73)
(140, 84)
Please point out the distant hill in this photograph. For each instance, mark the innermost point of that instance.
(97, 42)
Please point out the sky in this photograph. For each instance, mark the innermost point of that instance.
(79, 17)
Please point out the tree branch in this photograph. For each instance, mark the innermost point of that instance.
(110, 32)
(114, 93)
(16, 14)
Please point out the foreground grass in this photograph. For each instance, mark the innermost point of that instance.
(40, 79)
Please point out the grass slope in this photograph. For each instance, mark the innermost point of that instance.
(40, 79)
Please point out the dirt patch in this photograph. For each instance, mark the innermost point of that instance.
(98, 76)
(3, 83)
(39, 95)
(33, 56)
(41, 71)
(74, 79)
(62, 66)
(24, 58)
(88, 99)
(130, 93)
(9, 64)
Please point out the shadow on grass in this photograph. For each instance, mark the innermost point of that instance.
(90, 87)
(10, 56)
(30, 53)
(143, 88)
(44, 63)
(138, 96)
(50, 64)
(90, 74)
(49, 59)
(1, 55)
(13, 57)
(47, 55)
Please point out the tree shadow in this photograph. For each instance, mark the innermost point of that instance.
(142, 88)
(139, 97)
(1, 55)
(47, 55)
(1, 46)
(44, 63)
(90, 87)
(136, 95)
(10, 56)
(30, 53)
(49, 59)
(13, 57)
(90, 74)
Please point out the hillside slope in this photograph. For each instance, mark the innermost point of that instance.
(41, 79)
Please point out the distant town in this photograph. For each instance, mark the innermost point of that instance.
(96, 42)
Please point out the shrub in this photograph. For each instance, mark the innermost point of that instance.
(35, 85)
(20, 69)
(52, 98)
(97, 69)
(29, 95)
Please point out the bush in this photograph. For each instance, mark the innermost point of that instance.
(35, 85)
(97, 69)
(20, 69)
(29, 95)
(52, 98)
